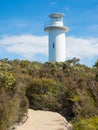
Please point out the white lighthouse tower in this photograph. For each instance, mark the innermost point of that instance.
(57, 40)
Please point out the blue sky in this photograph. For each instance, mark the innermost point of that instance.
(22, 24)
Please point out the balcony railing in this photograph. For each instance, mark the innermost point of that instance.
(53, 23)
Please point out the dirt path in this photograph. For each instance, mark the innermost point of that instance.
(44, 120)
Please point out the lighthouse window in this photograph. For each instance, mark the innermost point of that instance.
(53, 45)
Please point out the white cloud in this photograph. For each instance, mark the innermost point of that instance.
(82, 48)
(29, 46)
(26, 45)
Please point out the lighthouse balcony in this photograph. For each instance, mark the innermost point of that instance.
(55, 23)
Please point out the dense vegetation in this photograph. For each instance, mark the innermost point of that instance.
(65, 87)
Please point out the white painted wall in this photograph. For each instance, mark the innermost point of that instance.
(58, 53)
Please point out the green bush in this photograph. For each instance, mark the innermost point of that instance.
(87, 124)
(65, 87)
(44, 93)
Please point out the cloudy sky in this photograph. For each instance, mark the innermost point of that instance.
(22, 24)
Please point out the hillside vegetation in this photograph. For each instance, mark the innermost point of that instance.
(65, 87)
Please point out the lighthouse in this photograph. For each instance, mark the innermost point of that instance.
(56, 37)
